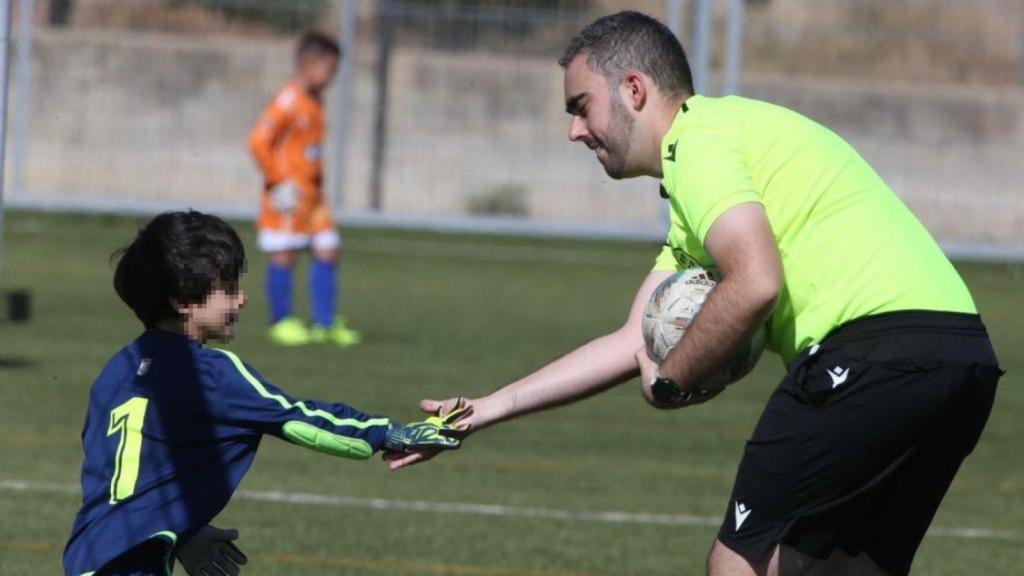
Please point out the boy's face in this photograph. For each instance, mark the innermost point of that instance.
(215, 317)
(318, 71)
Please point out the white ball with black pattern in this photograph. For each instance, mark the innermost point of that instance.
(671, 310)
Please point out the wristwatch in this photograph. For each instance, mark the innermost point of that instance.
(666, 391)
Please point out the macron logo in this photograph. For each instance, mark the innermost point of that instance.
(741, 515)
(838, 375)
(143, 367)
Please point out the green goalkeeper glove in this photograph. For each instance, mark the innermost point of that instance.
(434, 433)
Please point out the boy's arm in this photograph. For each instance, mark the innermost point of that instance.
(266, 134)
(247, 400)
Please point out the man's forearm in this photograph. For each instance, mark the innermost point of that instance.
(587, 370)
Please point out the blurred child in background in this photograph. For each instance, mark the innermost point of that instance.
(294, 215)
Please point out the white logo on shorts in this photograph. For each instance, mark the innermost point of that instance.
(741, 514)
(838, 375)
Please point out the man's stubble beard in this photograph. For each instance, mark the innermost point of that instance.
(617, 142)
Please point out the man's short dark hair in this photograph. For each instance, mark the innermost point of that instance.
(178, 257)
(318, 44)
(630, 40)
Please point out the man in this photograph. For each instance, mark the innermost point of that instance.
(890, 373)
(294, 216)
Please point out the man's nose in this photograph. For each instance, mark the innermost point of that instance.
(577, 129)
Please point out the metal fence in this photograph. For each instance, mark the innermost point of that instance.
(449, 113)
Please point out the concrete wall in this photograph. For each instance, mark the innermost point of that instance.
(134, 117)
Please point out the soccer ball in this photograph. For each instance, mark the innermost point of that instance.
(672, 308)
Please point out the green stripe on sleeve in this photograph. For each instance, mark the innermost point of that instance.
(308, 436)
(262, 390)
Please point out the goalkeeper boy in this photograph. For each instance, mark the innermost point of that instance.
(294, 216)
(172, 426)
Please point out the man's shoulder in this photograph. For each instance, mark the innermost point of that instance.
(732, 102)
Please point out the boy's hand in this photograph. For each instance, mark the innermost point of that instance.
(284, 197)
(211, 553)
(434, 433)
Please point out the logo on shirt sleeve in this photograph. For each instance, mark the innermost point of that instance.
(683, 259)
(672, 152)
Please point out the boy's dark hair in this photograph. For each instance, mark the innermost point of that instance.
(630, 40)
(313, 43)
(177, 258)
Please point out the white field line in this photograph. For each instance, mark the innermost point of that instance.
(468, 508)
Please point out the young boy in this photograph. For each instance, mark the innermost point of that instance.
(172, 426)
(286, 143)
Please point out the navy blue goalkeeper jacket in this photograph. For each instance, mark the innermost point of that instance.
(171, 429)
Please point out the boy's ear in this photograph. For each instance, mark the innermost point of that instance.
(179, 308)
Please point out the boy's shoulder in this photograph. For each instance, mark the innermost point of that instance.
(290, 96)
(159, 353)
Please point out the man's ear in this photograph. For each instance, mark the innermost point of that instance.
(634, 88)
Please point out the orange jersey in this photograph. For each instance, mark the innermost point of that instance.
(286, 144)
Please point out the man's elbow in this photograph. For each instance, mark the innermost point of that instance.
(628, 338)
(763, 291)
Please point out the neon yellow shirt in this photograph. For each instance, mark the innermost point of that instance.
(849, 246)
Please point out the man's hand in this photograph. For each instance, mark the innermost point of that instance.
(667, 399)
(443, 431)
(211, 552)
(458, 412)
(284, 197)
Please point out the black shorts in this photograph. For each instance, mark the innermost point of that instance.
(860, 441)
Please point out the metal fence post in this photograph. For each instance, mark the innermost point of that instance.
(22, 97)
(734, 47)
(1020, 54)
(673, 19)
(380, 122)
(5, 43)
(673, 15)
(343, 103)
(701, 45)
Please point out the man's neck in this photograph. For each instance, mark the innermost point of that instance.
(661, 125)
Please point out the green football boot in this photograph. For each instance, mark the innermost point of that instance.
(289, 331)
(338, 334)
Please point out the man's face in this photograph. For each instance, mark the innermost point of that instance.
(599, 118)
(215, 317)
